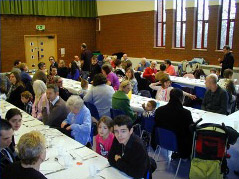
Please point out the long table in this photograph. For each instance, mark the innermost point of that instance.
(65, 157)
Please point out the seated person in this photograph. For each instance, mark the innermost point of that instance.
(128, 153)
(216, 98)
(63, 92)
(129, 75)
(142, 65)
(150, 72)
(84, 87)
(118, 66)
(162, 73)
(58, 110)
(26, 98)
(74, 72)
(62, 69)
(105, 137)
(25, 77)
(170, 68)
(120, 100)
(175, 118)
(198, 73)
(53, 73)
(40, 73)
(16, 66)
(6, 154)
(32, 151)
(94, 68)
(163, 91)
(113, 80)
(53, 63)
(223, 83)
(16, 88)
(78, 120)
(149, 108)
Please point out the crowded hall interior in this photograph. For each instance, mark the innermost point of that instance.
(118, 89)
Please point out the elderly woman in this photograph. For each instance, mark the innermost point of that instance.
(16, 88)
(100, 95)
(78, 120)
(39, 88)
(32, 152)
(121, 101)
(111, 77)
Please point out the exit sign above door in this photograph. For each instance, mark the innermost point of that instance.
(40, 27)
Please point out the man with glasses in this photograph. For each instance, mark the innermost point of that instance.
(63, 92)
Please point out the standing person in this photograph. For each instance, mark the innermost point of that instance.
(53, 63)
(94, 68)
(105, 137)
(32, 151)
(170, 68)
(227, 61)
(16, 88)
(6, 154)
(128, 153)
(86, 56)
(74, 72)
(149, 72)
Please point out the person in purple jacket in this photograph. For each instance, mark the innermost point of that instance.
(111, 77)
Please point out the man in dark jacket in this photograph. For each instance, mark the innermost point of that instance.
(228, 59)
(85, 61)
(175, 118)
(128, 153)
(58, 109)
(6, 155)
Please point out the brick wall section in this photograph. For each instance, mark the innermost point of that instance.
(71, 32)
(134, 33)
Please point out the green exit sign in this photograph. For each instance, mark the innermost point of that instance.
(40, 27)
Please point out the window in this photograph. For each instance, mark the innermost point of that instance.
(180, 26)
(228, 13)
(202, 24)
(161, 23)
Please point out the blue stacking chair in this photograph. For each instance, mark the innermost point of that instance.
(93, 110)
(116, 112)
(199, 92)
(147, 126)
(176, 85)
(166, 139)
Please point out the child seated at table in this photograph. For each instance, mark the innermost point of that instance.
(84, 86)
(163, 91)
(26, 98)
(149, 109)
(104, 137)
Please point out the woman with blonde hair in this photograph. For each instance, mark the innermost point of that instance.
(32, 152)
(39, 88)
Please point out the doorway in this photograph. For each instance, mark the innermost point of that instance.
(38, 48)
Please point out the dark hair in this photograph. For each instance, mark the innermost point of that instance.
(227, 47)
(99, 79)
(16, 62)
(164, 79)
(73, 68)
(168, 62)
(122, 120)
(94, 57)
(132, 72)
(162, 67)
(107, 121)
(27, 95)
(40, 65)
(12, 112)
(106, 68)
(153, 103)
(117, 62)
(54, 87)
(198, 72)
(83, 45)
(227, 73)
(128, 64)
(4, 125)
(176, 95)
(213, 69)
(84, 83)
(18, 78)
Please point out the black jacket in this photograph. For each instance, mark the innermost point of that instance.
(227, 62)
(134, 157)
(5, 160)
(15, 97)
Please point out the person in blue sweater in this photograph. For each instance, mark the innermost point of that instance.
(78, 120)
(74, 72)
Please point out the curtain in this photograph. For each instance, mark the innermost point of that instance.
(71, 8)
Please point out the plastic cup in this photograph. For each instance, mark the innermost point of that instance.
(92, 170)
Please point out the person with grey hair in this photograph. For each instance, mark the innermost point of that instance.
(58, 110)
(78, 120)
(142, 65)
(149, 72)
(32, 152)
(216, 98)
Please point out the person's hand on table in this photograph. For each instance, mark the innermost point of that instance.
(192, 97)
(68, 128)
(63, 124)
